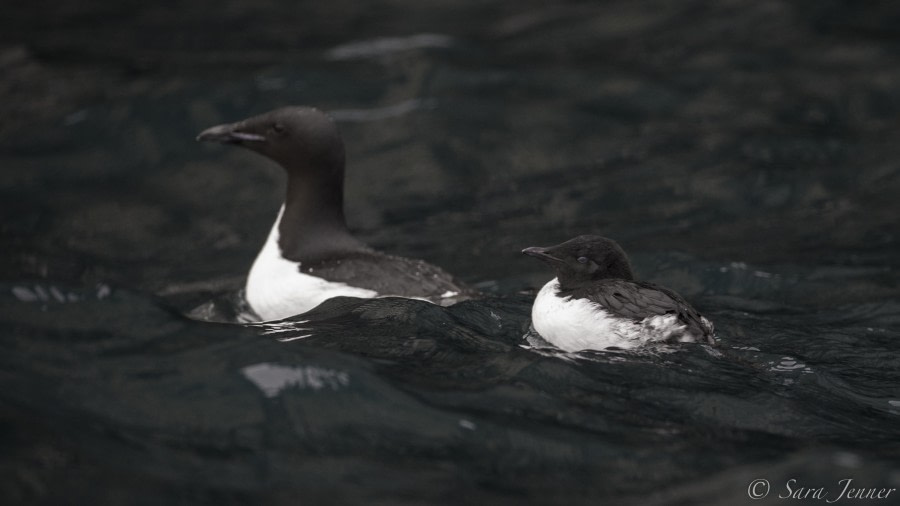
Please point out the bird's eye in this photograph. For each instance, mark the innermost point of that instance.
(582, 260)
(278, 128)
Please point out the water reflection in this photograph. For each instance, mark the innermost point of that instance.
(273, 378)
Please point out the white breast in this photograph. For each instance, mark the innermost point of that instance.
(277, 289)
(579, 324)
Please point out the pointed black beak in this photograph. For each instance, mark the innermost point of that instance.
(228, 134)
(541, 254)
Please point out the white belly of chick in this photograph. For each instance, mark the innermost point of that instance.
(579, 324)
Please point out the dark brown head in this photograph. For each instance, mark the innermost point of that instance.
(584, 259)
(298, 138)
(307, 144)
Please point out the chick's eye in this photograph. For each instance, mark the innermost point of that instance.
(278, 128)
(582, 260)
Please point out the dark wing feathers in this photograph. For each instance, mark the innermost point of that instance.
(390, 275)
(640, 300)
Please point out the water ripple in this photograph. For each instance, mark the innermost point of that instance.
(386, 45)
(380, 113)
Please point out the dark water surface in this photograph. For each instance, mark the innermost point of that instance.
(746, 154)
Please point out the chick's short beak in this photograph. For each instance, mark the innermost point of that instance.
(541, 254)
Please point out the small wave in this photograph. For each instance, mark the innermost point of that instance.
(380, 113)
(386, 45)
(51, 293)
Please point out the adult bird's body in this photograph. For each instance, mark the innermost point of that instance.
(310, 254)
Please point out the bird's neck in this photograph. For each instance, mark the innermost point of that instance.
(312, 225)
(573, 283)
